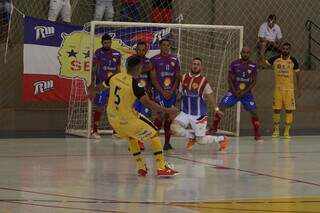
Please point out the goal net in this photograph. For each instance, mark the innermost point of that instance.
(217, 46)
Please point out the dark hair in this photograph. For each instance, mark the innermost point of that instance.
(286, 44)
(132, 62)
(163, 40)
(141, 43)
(272, 17)
(106, 37)
(197, 58)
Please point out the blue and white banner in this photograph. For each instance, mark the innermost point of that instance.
(57, 53)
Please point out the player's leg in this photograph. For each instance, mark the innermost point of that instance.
(143, 129)
(167, 124)
(99, 10)
(179, 128)
(66, 11)
(135, 151)
(249, 105)
(227, 101)
(54, 9)
(276, 106)
(290, 106)
(109, 12)
(100, 102)
(199, 125)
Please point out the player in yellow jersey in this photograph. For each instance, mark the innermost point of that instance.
(286, 72)
(129, 124)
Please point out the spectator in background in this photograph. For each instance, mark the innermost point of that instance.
(57, 6)
(162, 11)
(5, 11)
(131, 10)
(104, 9)
(270, 37)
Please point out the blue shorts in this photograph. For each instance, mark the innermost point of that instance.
(102, 98)
(247, 101)
(159, 99)
(139, 107)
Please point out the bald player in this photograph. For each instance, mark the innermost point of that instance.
(241, 79)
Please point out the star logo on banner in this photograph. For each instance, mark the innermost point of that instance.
(72, 53)
(86, 54)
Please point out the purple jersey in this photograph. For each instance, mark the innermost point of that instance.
(144, 78)
(243, 73)
(166, 68)
(107, 62)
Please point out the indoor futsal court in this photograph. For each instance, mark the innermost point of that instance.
(80, 175)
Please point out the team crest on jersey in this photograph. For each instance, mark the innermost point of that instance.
(249, 71)
(195, 85)
(173, 64)
(142, 83)
(242, 86)
(167, 82)
(114, 59)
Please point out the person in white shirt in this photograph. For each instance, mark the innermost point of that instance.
(270, 37)
(60, 6)
(104, 10)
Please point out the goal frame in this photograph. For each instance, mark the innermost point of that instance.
(148, 24)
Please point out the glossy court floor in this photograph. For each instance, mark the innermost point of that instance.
(80, 175)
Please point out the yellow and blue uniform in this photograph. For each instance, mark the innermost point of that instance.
(284, 72)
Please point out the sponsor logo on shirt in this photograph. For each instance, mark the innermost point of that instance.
(44, 32)
(42, 86)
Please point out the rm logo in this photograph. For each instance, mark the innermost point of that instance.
(42, 86)
(43, 32)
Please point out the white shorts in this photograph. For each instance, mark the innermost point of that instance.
(197, 123)
(104, 8)
(57, 6)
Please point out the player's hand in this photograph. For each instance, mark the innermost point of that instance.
(172, 111)
(219, 113)
(91, 90)
(167, 95)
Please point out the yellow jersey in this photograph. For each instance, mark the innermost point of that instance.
(284, 71)
(124, 91)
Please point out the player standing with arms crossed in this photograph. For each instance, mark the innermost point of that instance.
(165, 78)
(241, 79)
(107, 62)
(286, 69)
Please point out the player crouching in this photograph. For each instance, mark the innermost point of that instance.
(193, 87)
(130, 125)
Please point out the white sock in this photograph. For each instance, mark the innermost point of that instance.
(209, 139)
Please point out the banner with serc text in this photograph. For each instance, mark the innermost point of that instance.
(57, 54)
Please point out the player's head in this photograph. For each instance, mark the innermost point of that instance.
(133, 66)
(196, 65)
(106, 41)
(271, 20)
(165, 46)
(245, 53)
(141, 49)
(285, 49)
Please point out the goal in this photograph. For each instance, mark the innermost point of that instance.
(216, 45)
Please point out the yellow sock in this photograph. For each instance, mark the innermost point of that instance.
(135, 151)
(276, 121)
(157, 151)
(289, 118)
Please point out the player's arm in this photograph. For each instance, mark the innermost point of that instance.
(209, 95)
(92, 89)
(155, 82)
(118, 64)
(270, 61)
(176, 83)
(140, 93)
(297, 71)
(231, 78)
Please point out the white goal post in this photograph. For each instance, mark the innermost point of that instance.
(217, 45)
